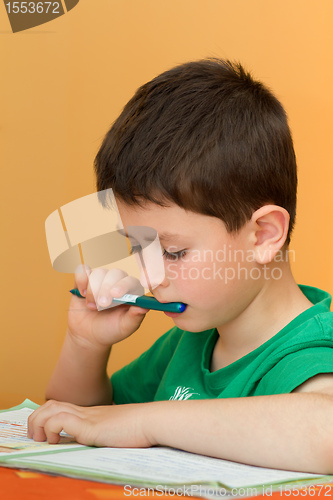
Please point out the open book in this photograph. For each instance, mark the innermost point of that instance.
(164, 469)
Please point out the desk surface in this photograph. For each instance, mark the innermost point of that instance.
(24, 485)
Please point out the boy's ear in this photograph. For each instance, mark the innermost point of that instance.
(271, 224)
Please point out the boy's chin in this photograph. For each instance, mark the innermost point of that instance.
(190, 324)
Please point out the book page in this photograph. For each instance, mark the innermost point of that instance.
(13, 434)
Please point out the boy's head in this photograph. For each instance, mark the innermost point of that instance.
(207, 137)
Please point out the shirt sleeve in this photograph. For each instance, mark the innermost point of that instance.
(295, 369)
(138, 381)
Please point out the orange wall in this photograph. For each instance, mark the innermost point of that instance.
(62, 85)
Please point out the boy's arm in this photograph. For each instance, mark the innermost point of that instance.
(322, 383)
(285, 431)
(80, 374)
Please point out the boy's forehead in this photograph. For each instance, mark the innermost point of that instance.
(171, 223)
(171, 226)
(166, 220)
(171, 217)
(145, 209)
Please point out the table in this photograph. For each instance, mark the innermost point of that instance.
(24, 485)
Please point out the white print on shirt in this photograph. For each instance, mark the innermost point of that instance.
(183, 393)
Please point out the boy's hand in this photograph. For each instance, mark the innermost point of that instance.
(116, 426)
(100, 329)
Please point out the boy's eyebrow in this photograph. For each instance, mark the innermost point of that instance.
(166, 236)
(169, 236)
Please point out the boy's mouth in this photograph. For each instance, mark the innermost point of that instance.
(172, 314)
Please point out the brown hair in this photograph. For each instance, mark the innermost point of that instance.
(206, 136)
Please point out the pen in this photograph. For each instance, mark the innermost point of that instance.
(144, 301)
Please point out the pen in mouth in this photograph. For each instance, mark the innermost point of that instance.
(145, 302)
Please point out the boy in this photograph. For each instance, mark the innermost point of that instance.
(203, 154)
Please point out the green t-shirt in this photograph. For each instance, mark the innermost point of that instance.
(177, 365)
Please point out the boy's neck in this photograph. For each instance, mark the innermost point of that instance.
(276, 305)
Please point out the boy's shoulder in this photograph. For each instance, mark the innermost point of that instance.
(317, 321)
(317, 296)
(311, 328)
(299, 352)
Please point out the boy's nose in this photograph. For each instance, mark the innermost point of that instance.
(151, 264)
(152, 275)
(165, 282)
(147, 281)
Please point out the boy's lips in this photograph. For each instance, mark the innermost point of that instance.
(172, 315)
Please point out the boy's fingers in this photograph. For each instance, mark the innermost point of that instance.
(116, 285)
(102, 278)
(137, 311)
(63, 421)
(95, 281)
(38, 419)
(81, 276)
(37, 433)
(133, 318)
(131, 285)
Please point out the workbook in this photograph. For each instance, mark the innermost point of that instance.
(163, 469)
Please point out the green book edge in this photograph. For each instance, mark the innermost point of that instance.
(27, 403)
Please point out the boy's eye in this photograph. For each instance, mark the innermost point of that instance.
(174, 255)
(167, 255)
